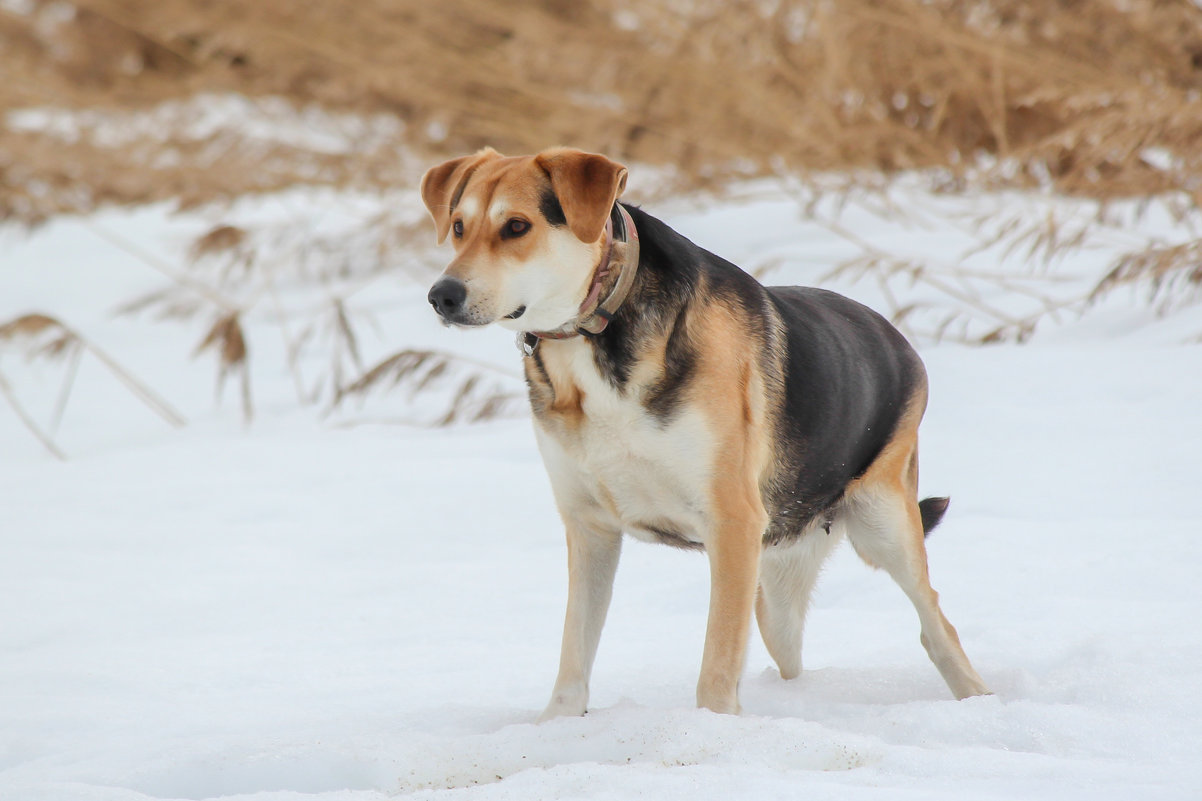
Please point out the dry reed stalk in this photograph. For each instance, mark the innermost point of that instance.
(474, 398)
(219, 239)
(932, 295)
(226, 339)
(1172, 275)
(28, 421)
(45, 337)
(236, 275)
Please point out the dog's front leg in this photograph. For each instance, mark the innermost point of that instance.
(592, 563)
(734, 555)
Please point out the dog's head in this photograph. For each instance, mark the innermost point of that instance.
(527, 232)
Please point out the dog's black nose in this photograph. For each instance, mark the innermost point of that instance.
(447, 297)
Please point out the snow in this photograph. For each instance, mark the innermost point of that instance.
(267, 120)
(307, 609)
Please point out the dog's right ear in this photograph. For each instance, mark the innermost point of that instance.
(443, 185)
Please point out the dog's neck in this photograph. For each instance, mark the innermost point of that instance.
(612, 280)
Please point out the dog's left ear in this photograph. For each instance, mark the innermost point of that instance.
(587, 186)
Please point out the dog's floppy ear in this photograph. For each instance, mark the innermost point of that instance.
(587, 186)
(442, 186)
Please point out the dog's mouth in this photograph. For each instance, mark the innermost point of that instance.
(516, 313)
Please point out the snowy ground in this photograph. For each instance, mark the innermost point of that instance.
(304, 610)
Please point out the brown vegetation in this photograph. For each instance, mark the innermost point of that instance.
(41, 336)
(1097, 98)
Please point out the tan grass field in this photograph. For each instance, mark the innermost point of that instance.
(1095, 98)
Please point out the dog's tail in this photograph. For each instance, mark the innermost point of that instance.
(932, 510)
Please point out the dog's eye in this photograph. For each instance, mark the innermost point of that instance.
(458, 228)
(515, 228)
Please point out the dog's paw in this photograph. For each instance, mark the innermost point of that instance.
(566, 703)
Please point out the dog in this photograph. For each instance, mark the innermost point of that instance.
(678, 400)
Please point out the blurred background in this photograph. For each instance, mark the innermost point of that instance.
(1093, 98)
(1062, 140)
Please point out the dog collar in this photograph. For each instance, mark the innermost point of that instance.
(621, 254)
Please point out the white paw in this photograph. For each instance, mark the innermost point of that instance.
(566, 703)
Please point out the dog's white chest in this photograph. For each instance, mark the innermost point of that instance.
(650, 478)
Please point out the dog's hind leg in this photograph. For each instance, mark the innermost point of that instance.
(884, 525)
(592, 562)
(787, 576)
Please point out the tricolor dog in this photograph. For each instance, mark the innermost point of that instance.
(678, 400)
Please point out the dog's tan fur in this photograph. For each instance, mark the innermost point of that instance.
(695, 479)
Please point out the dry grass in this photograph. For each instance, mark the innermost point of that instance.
(240, 281)
(474, 396)
(287, 280)
(41, 336)
(1172, 275)
(1097, 98)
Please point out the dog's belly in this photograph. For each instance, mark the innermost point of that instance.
(619, 468)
